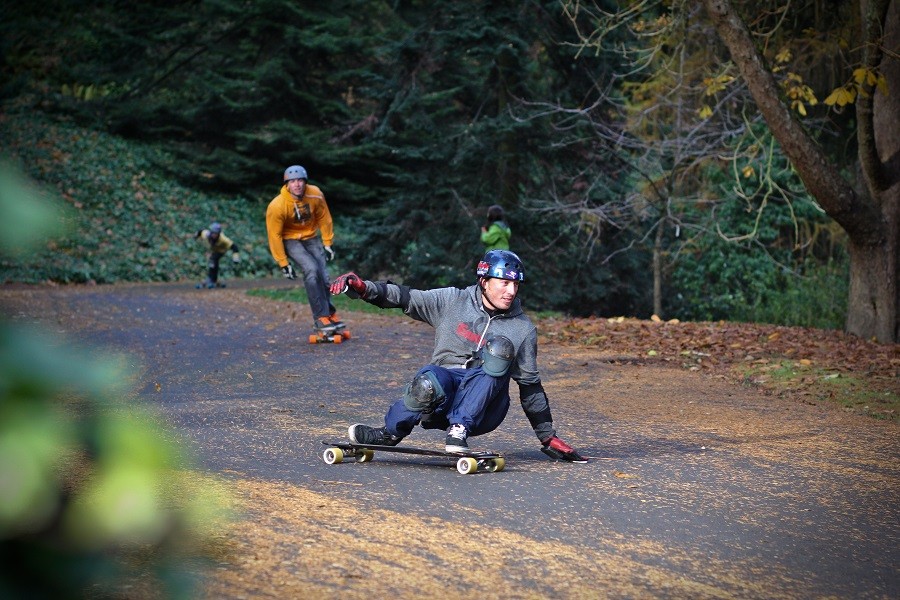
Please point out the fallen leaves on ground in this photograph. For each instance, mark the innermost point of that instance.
(747, 351)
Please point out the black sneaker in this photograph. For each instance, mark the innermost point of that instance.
(456, 439)
(375, 436)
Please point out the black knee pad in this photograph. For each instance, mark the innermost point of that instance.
(498, 355)
(423, 393)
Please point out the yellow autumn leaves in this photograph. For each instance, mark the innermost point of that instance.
(862, 82)
(798, 93)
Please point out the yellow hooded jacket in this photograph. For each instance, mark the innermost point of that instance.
(220, 246)
(290, 219)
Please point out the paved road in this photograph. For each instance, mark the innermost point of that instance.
(697, 488)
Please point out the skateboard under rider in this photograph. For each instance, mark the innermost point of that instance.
(466, 462)
(334, 336)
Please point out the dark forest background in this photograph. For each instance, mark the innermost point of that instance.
(152, 119)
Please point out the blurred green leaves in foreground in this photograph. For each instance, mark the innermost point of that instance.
(95, 497)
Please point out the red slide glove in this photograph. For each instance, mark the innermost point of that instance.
(559, 450)
(349, 281)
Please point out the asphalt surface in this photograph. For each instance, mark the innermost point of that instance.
(724, 491)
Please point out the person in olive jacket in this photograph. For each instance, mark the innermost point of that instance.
(219, 244)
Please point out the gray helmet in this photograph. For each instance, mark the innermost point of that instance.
(215, 228)
(498, 354)
(295, 172)
(501, 264)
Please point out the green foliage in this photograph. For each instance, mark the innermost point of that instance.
(739, 283)
(126, 221)
(92, 490)
(413, 118)
(781, 265)
(18, 219)
(777, 258)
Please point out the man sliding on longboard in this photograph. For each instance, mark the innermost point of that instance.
(482, 340)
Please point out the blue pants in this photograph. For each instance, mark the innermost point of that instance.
(473, 398)
(309, 255)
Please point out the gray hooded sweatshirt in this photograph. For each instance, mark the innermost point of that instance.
(461, 327)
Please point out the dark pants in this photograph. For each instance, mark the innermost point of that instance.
(309, 255)
(473, 398)
(212, 267)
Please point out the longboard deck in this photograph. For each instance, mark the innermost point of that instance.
(412, 450)
(466, 462)
(333, 337)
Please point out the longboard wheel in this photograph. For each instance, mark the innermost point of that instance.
(365, 456)
(345, 334)
(466, 465)
(333, 455)
(337, 339)
(495, 464)
(313, 338)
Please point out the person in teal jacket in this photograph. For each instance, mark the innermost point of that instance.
(495, 235)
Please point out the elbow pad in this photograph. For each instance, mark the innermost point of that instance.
(535, 404)
(380, 298)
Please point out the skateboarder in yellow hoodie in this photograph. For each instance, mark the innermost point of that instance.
(295, 219)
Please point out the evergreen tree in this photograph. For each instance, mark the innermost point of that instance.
(414, 117)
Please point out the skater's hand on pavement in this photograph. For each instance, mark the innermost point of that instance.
(347, 282)
(329, 252)
(289, 272)
(558, 449)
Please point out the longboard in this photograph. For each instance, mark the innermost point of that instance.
(332, 337)
(466, 462)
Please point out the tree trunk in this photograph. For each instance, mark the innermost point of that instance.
(875, 267)
(871, 218)
(658, 269)
(873, 277)
(508, 168)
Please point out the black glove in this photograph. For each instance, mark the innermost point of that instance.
(347, 282)
(289, 272)
(557, 449)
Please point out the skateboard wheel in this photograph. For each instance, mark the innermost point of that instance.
(337, 339)
(495, 464)
(333, 456)
(467, 465)
(313, 338)
(365, 456)
(345, 335)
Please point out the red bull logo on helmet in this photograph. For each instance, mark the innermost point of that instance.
(501, 264)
